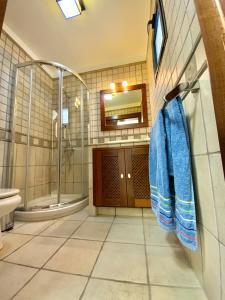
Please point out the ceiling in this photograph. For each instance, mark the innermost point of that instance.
(108, 33)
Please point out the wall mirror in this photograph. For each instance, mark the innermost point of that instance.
(123, 108)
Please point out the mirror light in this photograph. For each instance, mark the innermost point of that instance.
(124, 84)
(112, 86)
(70, 8)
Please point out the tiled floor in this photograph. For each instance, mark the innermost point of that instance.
(99, 258)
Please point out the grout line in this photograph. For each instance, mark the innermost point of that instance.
(119, 281)
(178, 287)
(100, 251)
(25, 265)
(32, 237)
(39, 269)
(146, 263)
(103, 243)
(82, 222)
(25, 284)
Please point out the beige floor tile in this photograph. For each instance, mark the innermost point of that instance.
(12, 279)
(110, 290)
(129, 211)
(168, 266)
(154, 235)
(122, 262)
(147, 212)
(11, 242)
(169, 293)
(78, 216)
(104, 219)
(128, 220)
(17, 224)
(61, 228)
(47, 285)
(33, 227)
(126, 233)
(36, 252)
(150, 221)
(76, 257)
(92, 231)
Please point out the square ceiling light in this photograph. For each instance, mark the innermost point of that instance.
(71, 8)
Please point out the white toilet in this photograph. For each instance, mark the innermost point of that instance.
(9, 200)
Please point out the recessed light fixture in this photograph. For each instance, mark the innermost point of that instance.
(71, 8)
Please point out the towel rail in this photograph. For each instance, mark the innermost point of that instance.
(185, 87)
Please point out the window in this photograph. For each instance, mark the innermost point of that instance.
(159, 35)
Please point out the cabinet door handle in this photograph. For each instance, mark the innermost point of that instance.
(121, 175)
(128, 175)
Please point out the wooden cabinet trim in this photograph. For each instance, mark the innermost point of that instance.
(127, 184)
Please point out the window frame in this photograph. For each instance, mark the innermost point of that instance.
(159, 14)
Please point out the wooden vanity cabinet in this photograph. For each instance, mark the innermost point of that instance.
(120, 177)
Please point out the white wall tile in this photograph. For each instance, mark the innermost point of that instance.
(211, 265)
(219, 192)
(205, 200)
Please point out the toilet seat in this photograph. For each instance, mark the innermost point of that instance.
(6, 193)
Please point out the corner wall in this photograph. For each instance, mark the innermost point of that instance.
(183, 59)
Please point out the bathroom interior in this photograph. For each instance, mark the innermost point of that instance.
(86, 88)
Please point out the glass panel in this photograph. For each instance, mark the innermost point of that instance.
(20, 126)
(39, 134)
(71, 167)
(43, 161)
(85, 99)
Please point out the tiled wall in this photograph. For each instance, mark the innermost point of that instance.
(11, 54)
(183, 32)
(39, 178)
(135, 73)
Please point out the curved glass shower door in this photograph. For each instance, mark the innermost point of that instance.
(73, 158)
(50, 136)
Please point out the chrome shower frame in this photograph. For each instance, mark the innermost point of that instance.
(65, 209)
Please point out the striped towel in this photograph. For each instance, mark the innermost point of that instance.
(170, 174)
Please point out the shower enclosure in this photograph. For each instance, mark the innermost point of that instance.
(49, 140)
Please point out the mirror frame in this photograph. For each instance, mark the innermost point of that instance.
(119, 88)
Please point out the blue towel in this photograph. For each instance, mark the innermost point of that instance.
(170, 174)
(159, 176)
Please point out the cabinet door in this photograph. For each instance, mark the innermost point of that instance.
(138, 189)
(109, 178)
